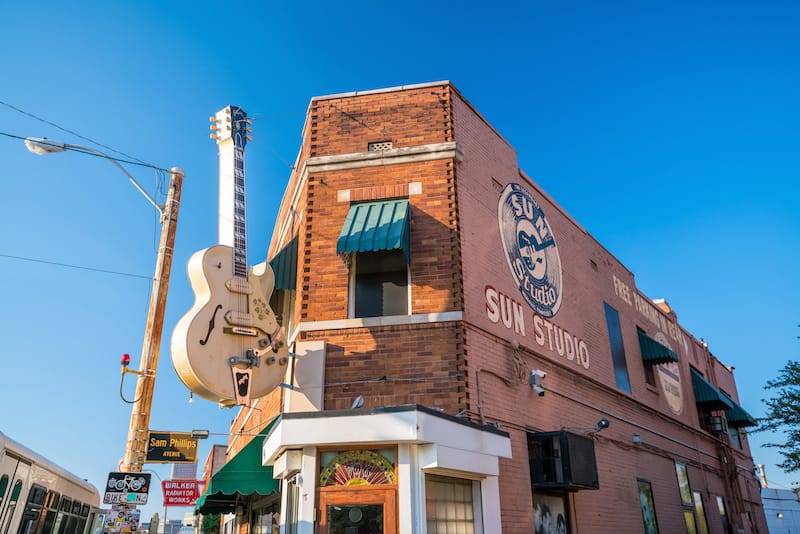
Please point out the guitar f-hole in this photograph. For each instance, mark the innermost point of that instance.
(211, 324)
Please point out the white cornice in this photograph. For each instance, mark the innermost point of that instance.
(449, 150)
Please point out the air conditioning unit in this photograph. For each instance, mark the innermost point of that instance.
(562, 461)
(716, 424)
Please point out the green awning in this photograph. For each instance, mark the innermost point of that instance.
(707, 395)
(737, 417)
(242, 476)
(284, 266)
(376, 226)
(653, 352)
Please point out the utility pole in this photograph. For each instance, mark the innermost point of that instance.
(136, 446)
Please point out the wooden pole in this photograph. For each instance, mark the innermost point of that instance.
(136, 447)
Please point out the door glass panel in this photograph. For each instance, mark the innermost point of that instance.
(355, 519)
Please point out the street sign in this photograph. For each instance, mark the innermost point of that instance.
(171, 447)
(180, 492)
(127, 488)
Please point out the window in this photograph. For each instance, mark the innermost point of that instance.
(453, 505)
(699, 510)
(648, 506)
(12, 504)
(380, 284)
(264, 518)
(723, 514)
(617, 349)
(649, 370)
(376, 242)
(683, 483)
(736, 439)
(291, 521)
(550, 513)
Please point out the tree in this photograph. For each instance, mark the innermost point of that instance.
(783, 414)
(210, 524)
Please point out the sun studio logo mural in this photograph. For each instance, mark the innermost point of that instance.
(530, 249)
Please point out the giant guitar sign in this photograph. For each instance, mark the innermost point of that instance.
(228, 346)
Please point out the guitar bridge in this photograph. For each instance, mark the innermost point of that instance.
(240, 331)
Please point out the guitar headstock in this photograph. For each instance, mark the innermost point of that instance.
(231, 122)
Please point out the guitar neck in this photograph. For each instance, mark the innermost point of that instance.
(231, 127)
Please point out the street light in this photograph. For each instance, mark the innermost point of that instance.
(136, 445)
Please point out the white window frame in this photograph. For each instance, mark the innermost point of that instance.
(351, 293)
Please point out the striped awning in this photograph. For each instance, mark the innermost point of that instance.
(242, 476)
(707, 395)
(737, 417)
(376, 226)
(284, 266)
(653, 352)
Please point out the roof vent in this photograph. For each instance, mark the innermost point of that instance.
(379, 146)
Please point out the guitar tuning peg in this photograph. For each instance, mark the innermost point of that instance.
(248, 137)
(212, 118)
(213, 136)
(213, 127)
(249, 130)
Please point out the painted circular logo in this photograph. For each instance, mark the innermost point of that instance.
(530, 249)
(670, 377)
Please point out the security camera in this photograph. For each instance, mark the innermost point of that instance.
(602, 423)
(539, 390)
(536, 376)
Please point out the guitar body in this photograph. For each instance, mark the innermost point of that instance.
(230, 318)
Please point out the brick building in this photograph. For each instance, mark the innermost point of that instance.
(470, 359)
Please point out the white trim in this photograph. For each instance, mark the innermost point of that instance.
(357, 160)
(380, 91)
(391, 320)
(479, 450)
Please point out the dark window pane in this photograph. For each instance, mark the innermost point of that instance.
(381, 284)
(617, 349)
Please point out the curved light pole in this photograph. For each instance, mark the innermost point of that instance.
(136, 446)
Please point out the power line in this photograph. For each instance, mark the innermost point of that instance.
(69, 131)
(105, 156)
(81, 267)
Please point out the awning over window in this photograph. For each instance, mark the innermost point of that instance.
(653, 352)
(376, 226)
(707, 395)
(737, 417)
(284, 266)
(242, 476)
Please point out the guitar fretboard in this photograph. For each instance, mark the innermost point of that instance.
(239, 214)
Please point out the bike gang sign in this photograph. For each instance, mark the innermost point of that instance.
(127, 488)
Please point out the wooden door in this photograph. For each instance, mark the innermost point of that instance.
(358, 510)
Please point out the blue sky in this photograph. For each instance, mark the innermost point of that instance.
(668, 130)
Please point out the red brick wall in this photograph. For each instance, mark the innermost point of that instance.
(471, 364)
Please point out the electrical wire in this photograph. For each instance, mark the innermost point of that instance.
(71, 132)
(104, 156)
(81, 267)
